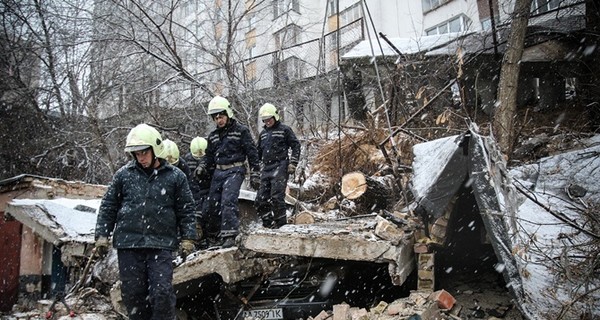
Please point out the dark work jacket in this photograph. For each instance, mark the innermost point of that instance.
(198, 186)
(183, 166)
(275, 142)
(230, 144)
(147, 211)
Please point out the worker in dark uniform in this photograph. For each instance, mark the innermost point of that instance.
(275, 143)
(229, 145)
(171, 154)
(148, 211)
(200, 185)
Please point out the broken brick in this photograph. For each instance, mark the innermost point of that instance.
(421, 248)
(443, 298)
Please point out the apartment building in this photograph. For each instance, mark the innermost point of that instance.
(289, 51)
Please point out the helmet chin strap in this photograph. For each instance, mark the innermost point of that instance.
(155, 161)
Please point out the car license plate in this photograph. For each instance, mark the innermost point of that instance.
(266, 314)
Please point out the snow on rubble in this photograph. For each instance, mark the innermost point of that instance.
(68, 219)
(553, 238)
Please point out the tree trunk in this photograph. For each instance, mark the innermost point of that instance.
(367, 193)
(589, 88)
(503, 122)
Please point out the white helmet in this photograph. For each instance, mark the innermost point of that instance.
(268, 111)
(143, 137)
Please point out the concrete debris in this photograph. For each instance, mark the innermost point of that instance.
(418, 305)
(87, 304)
(446, 216)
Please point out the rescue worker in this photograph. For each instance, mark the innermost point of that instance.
(276, 142)
(147, 209)
(229, 145)
(199, 185)
(171, 154)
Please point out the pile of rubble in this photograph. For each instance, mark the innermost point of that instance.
(87, 304)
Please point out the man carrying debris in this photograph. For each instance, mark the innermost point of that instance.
(229, 145)
(200, 185)
(147, 209)
(275, 141)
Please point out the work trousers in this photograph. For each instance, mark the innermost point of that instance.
(270, 198)
(221, 207)
(146, 283)
(201, 216)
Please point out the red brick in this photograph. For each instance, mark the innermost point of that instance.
(444, 299)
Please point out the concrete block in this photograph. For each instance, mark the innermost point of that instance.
(322, 316)
(389, 231)
(341, 312)
(358, 314)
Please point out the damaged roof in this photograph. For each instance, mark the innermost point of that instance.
(542, 30)
(58, 220)
(535, 216)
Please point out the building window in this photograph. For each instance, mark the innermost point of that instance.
(350, 14)
(429, 5)
(542, 6)
(486, 24)
(282, 6)
(332, 8)
(288, 36)
(458, 24)
(251, 19)
(288, 70)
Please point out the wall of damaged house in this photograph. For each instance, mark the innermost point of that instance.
(31, 272)
(10, 235)
(10, 241)
(32, 267)
(548, 75)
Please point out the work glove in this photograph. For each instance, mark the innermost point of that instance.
(199, 172)
(291, 168)
(186, 247)
(255, 180)
(101, 246)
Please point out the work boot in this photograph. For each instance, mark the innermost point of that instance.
(268, 223)
(280, 220)
(213, 241)
(203, 244)
(279, 223)
(267, 220)
(228, 242)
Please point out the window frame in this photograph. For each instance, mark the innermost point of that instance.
(281, 7)
(287, 36)
(545, 6)
(464, 25)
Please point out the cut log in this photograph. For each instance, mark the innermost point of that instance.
(367, 193)
(304, 217)
(308, 217)
(354, 185)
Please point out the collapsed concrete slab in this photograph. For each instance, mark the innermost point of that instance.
(230, 264)
(344, 240)
(262, 251)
